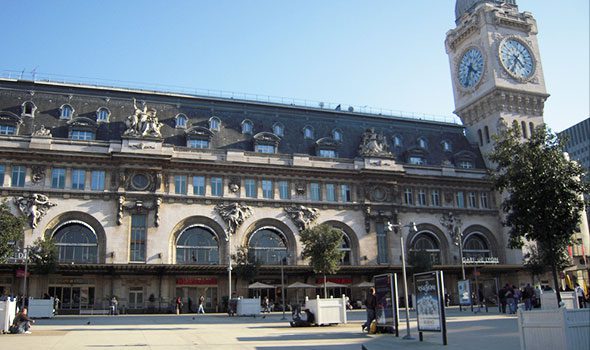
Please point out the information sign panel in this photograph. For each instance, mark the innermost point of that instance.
(464, 288)
(387, 300)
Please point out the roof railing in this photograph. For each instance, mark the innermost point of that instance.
(196, 92)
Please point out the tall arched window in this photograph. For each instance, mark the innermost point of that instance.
(76, 242)
(475, 246)
(66, 111)
(268, 246)
(278, 129)
(480, 135)
(345, 247)
(524, 130)
(103, 114)
(214, 124)
(197, 245)
(424, 241)
(247, 127)
(181, 121)
(307, 132)
(337, 135)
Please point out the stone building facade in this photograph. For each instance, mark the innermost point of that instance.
(148, 193)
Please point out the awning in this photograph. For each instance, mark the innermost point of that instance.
(364, 285)
(331, 285)
(300, 285)
(258, 285)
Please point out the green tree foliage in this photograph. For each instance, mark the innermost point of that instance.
(543, 201)
(11, 231)
(321, 245)
(246, 266)
(43, 256)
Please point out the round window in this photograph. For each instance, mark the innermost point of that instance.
(140, 182)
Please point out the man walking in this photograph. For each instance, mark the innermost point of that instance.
(371, 304)
(201, 305)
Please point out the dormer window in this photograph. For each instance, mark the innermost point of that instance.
(327, 153)
(446, 146)
(465, 160)
(308, 132)
(466, 164)
(102, 115)
(422, 143)
(397, 141)
(266, 142)
(327, 147)
(247, 126)
(337, 135)
(181, 121)
(66, 111)
(198, 137)
(82, 128)
(9, 123)
(278, 129)
(214, 124)
(416, 160)
(28, 109)
(7, 129)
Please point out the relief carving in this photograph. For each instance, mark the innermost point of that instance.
(42, 132)
(234, 185)
(302, 216)
(374, 144)
(233, 214)
(143, 122)
(38, 173)
(34, 206)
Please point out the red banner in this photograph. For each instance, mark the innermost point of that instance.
(339, 280)
(196, 281)
(21, 273)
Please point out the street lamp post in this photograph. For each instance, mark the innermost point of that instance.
(283, 285)
(228, 240)
(412, 228)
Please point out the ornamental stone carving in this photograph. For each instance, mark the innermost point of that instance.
(374, 144)
(34, 206)
(42, 132)
(143, 123)
(233, 214)
(38, 173)
(234, 185)
(302, 216)
(452, 223)
(139, 206)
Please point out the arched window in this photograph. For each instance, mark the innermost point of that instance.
(247, 127)
(480, 135)
(181, 121)
(278, 129)
(524, 130)
(66, 111)
(76, 242)
(531, 128)
(422, 143)
(397, 141)
(337, 135)
(475, 246)
(214, 124)
(103, 114)
(424, 241)
(28, 108)
(308, 132)
(446, 145)
(197, 245)
(345, 247)
(268, 246)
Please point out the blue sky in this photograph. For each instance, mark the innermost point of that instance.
(380, 53)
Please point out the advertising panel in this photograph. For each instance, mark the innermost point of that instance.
(464, 292)
(387, 300)
(428, 302)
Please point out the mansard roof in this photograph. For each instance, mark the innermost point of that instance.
(48, 97)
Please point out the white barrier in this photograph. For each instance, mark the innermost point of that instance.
(7, 313)
(549, 300)
(248, 307)
(328, 311)
(558, 329)
(40, 308)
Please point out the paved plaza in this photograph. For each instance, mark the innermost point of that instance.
(466, 330)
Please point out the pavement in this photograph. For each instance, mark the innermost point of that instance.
(466, 330)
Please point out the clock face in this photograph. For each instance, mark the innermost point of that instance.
(516, 59)
(470, 68)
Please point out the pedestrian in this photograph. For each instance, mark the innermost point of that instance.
(201, 305)
(527, 295)
(266, 305)
(580, 294)
(502, 296)
(510, 299)
(114, 306)
(178, 305)
(21, 323)
(190, 305)
(371, 305)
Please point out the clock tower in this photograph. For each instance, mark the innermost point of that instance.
(496, 69)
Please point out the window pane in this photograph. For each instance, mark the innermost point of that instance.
(18, 176)
(250, 188)
(472, 200)
(381, 244)
(76, 243)
(345, 193)
(330, 193)
(197, 245)
(198, 143)
(58, 178)
(267, 246)
(78, 177)
(2, 172)
(284, 192)
(138, 238)
(460, 200)
(7, 130)
(216, 186)
(484, 200)
(199, 185)
(327, 153)
(98, 180)
(315, 191)
(265, 149)
(408, 196)
(180, 184)
(82, 135)
(267, 190)
(435, 197)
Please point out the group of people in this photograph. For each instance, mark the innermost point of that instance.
(510, 296)
(179, 305)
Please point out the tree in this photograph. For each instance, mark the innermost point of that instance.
(321, 244)
(44, 256)
(543, 192)
(11, 231)
(246, 265)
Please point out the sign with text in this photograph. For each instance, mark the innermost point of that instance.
(464, 288)
(196, 281)
(387, 300)
(481, 260)
(429, 305)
